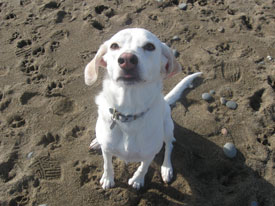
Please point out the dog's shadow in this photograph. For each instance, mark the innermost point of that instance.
(203, 175)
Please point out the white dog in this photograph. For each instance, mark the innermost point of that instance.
(134, 119)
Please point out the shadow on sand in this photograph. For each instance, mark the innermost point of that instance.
(213, 179)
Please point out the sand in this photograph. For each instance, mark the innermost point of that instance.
(48, 114)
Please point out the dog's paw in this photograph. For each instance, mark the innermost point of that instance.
(166, 173)
(136, 182)
(107, 182)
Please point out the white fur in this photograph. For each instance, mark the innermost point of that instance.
(141, 139)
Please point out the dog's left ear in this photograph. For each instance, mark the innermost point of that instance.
(91, 70)
(170, 66)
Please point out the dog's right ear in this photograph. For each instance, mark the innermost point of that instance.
(91, 70)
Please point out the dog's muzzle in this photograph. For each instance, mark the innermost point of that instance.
(128, 63)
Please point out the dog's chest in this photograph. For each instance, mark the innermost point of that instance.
(133, 141)
(140, 138)
(136, 146)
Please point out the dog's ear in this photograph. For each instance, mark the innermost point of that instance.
(91, 70)
(170, 66)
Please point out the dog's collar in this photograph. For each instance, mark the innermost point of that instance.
(117, 116)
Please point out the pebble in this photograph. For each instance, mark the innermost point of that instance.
(206, 96)
(175, 38)
(231, 105)
(230, 150)
(221, 29)
(223, 100)
(190, 86)
(43, 205)
(269, 58)
(176, 53)
(182, 6)
(254, 203)
(29, 155)
(212, 92)
(224, 131)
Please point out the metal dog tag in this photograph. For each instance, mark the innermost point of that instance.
(113, 124)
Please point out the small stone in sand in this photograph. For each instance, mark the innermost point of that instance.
(231, 105)
(29, 155)
(223, 100)
(224, 131)
(212, 92)
(269, 58)
(206, 96)
(230, 150)
(221, 29)
(182, 6)
(176, 53)
(175, 38)
(254, 203)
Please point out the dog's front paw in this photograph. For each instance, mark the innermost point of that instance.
(166, 173)
(136, 182)
(107, 182)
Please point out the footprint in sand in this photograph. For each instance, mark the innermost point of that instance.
(19, 200)
(27, 96)
(16, 121)
(23, 46)
(23, 43)
(256, 99)
(32, 99)
(28, 67)
(8, 168)
(86, 172)
(38, 51)
(22, 190)
(4, 101)
(54, 89)
(50, 140)
(54, 45)
(14, 36)
(32, 70)
(76, 132)
(46, 168)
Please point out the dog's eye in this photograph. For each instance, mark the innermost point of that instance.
(149, 47)
(114, 46)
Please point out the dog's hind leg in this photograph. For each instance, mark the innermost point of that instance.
(137, 181)
(107, 179)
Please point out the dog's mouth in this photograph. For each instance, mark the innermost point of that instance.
(128, 77)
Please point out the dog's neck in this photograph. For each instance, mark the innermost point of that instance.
(130, 99)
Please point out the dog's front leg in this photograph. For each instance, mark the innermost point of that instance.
(137, 181)
(166, 168)
(107, 179)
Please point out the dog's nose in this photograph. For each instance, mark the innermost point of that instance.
(127, 61)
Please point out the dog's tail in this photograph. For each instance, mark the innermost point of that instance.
(94, 144)
(176, 92)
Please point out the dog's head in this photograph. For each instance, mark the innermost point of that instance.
(133, 56)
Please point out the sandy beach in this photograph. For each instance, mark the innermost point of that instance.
(48, 114)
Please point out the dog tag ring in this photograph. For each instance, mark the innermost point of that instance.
(113, 124)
